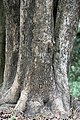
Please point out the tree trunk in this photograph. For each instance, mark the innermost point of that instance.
(36, 36)
(12, 42)
(36, 65)
(65, 31)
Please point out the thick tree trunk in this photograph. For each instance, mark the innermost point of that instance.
(36, 64)
(36, 32)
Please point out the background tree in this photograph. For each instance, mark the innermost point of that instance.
(35, 75)
(12, 14)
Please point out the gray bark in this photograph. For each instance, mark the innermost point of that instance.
(35, 75)
(36, 31)
(65, 31)
(12, 42)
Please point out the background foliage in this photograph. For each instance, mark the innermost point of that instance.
(74, 71)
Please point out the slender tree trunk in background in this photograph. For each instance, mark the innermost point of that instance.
(65, 31)
(2, 41)
(35, 75)
(12, 42)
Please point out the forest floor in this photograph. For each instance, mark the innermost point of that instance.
(6, 113)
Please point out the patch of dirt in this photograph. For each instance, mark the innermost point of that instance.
(7, 113)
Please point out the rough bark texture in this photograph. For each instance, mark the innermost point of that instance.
(36, 31)
(35, 75)
(12, 41)
(65, 31)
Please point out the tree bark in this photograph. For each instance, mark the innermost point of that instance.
(35, 75)
(12, 41)
(37, 34)
(65, 33)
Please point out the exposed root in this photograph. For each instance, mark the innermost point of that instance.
(21, 104)
(12, 95)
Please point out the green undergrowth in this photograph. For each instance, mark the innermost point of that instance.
(74, 71)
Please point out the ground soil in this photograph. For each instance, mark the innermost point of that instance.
(7, 113)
